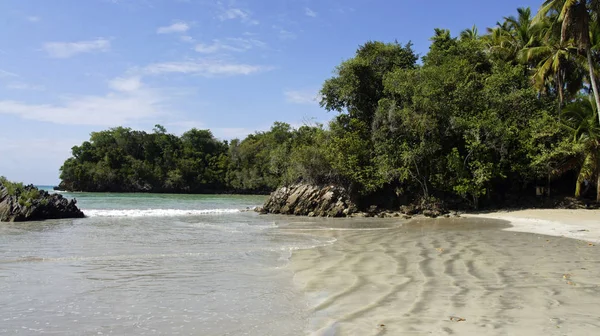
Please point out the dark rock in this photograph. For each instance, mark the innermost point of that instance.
(43, 206)
(310, 200)
(431, 213)
(409, 210)
(260, 210)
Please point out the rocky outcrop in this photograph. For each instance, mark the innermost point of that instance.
(42, 205)
(310, 200)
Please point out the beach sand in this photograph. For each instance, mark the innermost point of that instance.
(463, 276)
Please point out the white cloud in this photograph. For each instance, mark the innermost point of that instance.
(110, 110)
(69, 49)
(234, 13)
(310, 12)
(286, 35)
(125, 84)
(204, 67)
(33, 18)
(25, 86)
(4, 73)
(177, 27)
(230, 44)
(237, 14)
(301, 96)
(187, 39)
(21, 158)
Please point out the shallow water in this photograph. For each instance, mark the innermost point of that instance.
(145, 264)
(150, 265)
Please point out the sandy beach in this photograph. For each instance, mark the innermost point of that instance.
(504, 273)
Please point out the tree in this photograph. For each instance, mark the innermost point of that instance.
(355, 92)
(580, 119)
(575, 17)
(555, 61)
(358, 84)
(470, 34)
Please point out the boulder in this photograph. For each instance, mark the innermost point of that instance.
(310, 200)
(43, 206)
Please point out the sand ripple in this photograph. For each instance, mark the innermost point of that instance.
(425, 277)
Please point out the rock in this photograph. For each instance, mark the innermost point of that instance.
(13, 208)
(409, 210)
(431, 213)
(310, 200)
(260, 210)
(406, 216)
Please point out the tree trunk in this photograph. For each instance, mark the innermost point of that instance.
(598, 188)
(593, 81)
(578, 186)
(561, 96)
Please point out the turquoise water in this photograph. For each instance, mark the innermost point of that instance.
(149, 264)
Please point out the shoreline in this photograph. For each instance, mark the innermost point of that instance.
(476, 274)
(576, 224)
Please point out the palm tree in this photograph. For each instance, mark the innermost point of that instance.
(574, 17)
(498, 41)
(520, 28)
(470, 34)
(555, 63)
(441, 35)
(579, 118)
(508, 38)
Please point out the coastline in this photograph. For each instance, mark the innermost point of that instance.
(577, 224)
(480, 274)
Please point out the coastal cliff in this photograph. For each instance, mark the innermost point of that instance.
(30, 204)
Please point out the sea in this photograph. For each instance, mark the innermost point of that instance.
(153, 264)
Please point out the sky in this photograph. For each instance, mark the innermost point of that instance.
(72, 67)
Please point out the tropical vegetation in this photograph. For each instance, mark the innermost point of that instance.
(479, 119)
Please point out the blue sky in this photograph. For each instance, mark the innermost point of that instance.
(71, 67)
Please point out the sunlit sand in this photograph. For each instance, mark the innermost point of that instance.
(463, 276)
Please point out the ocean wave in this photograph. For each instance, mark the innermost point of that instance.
(156, 212)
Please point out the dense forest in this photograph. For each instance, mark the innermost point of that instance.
(479, 119)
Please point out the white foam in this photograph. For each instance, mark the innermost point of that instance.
(156, 212)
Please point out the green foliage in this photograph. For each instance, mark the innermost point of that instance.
(121, 159)
(476, 121)
(25, 194)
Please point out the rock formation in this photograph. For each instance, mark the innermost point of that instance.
(310, 200)
(14, 208)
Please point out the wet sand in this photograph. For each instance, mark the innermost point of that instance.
(464, 276)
